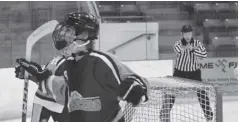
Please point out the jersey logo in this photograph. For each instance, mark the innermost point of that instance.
(77, 102)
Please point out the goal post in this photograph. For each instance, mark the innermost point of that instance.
(186, 107)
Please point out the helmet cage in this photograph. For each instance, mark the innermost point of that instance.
(63, 35)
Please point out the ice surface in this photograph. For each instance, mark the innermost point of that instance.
(230, 113)
(11, 91)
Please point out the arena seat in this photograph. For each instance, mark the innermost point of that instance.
(174, 24)
(106, 2)
(203, 7)
(161, 10)
(225, 46)
(143, 5)
(129, 10)
(212, 23)
(123, 19)
(203, 11)
(225, 14)
(125, 2)
(222, 7)
(217, 41)
(234, 6)
(232, 33)
(107, 10)
(142, 2)
(217, 34)
(42, 4)
(169, 32)
(164, 4)
(231, 22)
(178, 15)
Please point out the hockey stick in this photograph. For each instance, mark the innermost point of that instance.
(31, 40)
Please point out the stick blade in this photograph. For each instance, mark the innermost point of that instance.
(38, 34)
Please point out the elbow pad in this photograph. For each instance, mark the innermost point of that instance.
(132, 91)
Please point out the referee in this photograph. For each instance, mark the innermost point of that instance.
(188, 51)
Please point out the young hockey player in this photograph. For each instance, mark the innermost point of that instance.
(51, 83)
(45, 104)
(97, 81)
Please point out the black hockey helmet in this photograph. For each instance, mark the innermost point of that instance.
(74, 24)
(83, 21)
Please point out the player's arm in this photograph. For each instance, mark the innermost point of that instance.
(133, 88)
(52, 75)
(36, 73)
(57, 82)
(56, 86)
(200, 50)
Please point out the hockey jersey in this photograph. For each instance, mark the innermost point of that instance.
(93, 84)
(53, 92)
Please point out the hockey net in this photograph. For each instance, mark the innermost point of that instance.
(186, 107)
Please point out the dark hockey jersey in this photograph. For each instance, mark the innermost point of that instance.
(93, 82)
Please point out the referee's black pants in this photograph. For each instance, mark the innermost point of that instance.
(202, 94)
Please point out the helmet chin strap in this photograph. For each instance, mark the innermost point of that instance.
(78, 47)
(75, 49)
(81, 45)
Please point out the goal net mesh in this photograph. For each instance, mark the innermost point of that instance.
(194, 101)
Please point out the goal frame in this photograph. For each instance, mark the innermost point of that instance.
(163, 83)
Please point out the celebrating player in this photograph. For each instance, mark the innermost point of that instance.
(97, 81)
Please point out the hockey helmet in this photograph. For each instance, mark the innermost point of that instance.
(83, 21)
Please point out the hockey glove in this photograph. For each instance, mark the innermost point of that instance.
(19, 72)
(32, 68)
(132, 91)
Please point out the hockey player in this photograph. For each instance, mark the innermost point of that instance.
(97, 81)
(45, 104)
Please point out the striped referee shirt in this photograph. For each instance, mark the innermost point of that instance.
(188, 60)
